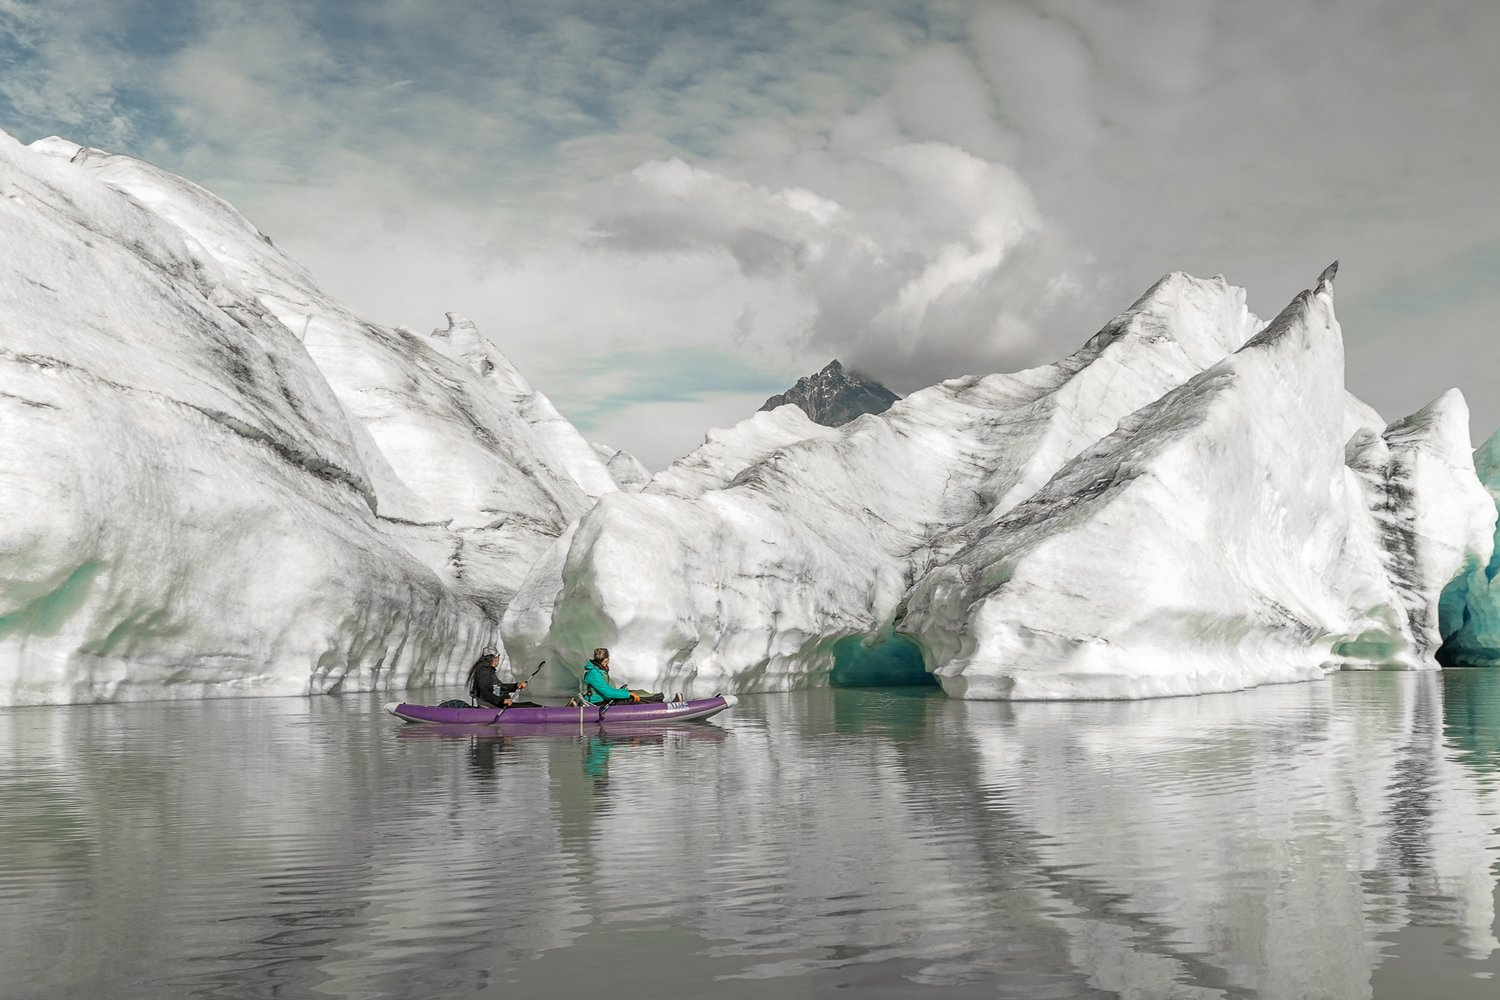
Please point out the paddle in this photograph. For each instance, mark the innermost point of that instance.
(528, 677)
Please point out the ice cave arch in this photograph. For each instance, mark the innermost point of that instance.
(884, 659)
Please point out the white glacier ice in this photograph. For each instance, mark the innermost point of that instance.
(1472, 602)
(1192, 502)
(1217, 540)
(724, 454)
(625, 468)
(1430, 515)
(216, 480)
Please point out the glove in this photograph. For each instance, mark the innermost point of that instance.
(635, 699)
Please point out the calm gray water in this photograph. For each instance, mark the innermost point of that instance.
(1335, 839)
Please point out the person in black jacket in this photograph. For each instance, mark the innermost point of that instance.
(485, 685)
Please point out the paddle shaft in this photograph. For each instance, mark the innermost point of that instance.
(529, 676)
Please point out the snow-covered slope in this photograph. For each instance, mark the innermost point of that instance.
(626, 470)
(217, 480)
(1169, 510)
(726, 453)
(475, 471)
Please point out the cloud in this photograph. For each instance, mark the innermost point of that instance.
(932, 263)
(63, 71)
(919, 189)
(939, 96)
(1261, 141)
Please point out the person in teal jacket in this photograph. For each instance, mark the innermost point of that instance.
(598, 688)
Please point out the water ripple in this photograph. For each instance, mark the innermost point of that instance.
(1329, 839)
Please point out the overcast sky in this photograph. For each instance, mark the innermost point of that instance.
(666, 210)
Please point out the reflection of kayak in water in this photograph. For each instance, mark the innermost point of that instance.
(564, 715)
(633, 734)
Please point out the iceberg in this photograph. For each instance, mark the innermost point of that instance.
(219, 481)
(1191, 502)
(1431, 515)
(1471, 603)
(725, 454)
(1220, 538)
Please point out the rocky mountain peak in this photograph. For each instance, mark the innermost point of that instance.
(835, 396)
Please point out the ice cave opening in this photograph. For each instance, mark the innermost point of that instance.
(881, 660)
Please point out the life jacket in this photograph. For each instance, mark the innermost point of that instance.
(586, 691)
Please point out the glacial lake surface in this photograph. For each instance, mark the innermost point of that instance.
(1334, 839)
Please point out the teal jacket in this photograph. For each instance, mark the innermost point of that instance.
(597, 686)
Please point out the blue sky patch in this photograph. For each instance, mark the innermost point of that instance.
(676, 376)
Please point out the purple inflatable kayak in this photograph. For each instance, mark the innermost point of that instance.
(553, 715)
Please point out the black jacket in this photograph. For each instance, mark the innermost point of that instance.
(487, 687)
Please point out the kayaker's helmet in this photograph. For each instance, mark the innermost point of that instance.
(601, 656)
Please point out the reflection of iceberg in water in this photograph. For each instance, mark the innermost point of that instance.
(900, 713)
(1277, 842)
(1464, 861)
(1471, 717)
(1260, 843)
(1297, 823)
